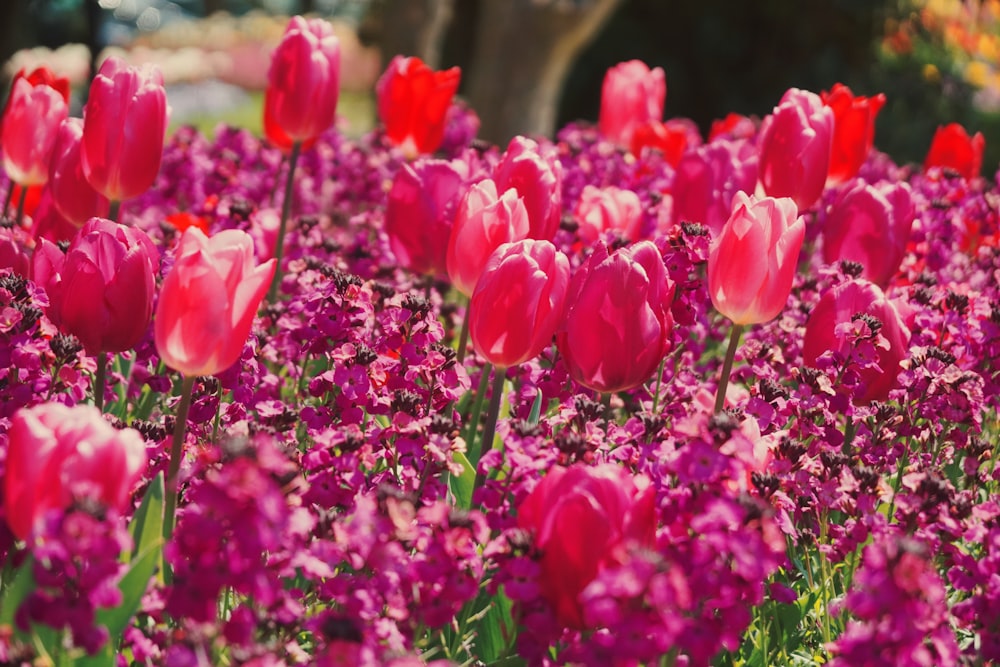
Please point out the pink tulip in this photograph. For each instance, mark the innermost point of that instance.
(48, 223)
(40, 76)
(751, 264)
(14, 252)
(420, 213)
(102, 291)
(795, 143)
(30, 127)
(853, 131)
(303, 82)
(518, 302)
(585, 520)
(830, 329)
(618, 319)
(73, 196)
(413, 104)
(707, 179)
(57, 455)
(208, 301)
(632, 96)
(601, 209)
(870, 224)
(536, 174)
(124, 124)
(484, 221)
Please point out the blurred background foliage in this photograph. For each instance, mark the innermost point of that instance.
(937, 61)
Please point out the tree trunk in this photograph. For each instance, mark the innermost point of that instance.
(523, 53)
(415, 28)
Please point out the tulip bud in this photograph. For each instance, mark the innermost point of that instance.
(484, 221)
(794, 143)
(733, 126)
(601, 209)
(870, 224)
(672, 138)
(952, 147)
(832, 326)
(518, 302)
(124, 125)
(57, 455)
(102, 291)
(73, 196)
(208, 301)
(40, 76)
(707, 179)
(751, 264)
(585, 520)
(618, 318)
(536, 174)
(413, 102)
(30, 127)
(632, 96)
(853, 131)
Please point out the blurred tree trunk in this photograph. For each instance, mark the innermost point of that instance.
(414, 28)
(213, 6)
(522, 54)
(13, 35)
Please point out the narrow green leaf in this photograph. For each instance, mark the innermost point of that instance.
(22, 583)
(495, 628)
(103, 658)
(462, 485)
(536, 408)
(147, 524)
(133, 586)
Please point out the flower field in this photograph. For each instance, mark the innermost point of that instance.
(626, 396)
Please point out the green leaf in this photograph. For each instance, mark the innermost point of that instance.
(462, 485)
(22, 583)
(495, 628)
(536, 408)
(103, 658)
(133, 586)
(147, 523)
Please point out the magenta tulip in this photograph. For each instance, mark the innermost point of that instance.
(536, 174)
(73, 196)
(30, 127)
(618, 319)
(518, 302)
(602, 209)
(828, 329)
(208, 301)
(483, 223)
(870, 224)
(102, 291)
(632, 96)
(585, 520)
(795, 143)
(751, 264)
(57, 455)
(708, 177)
(124, 124)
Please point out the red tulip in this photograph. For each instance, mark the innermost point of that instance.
(618, 318)
(953, 148)
(672, 138)
(870, 224)
(708, 177)
(831, 328)
(303, 83)
(585, 520)
(57, 455)
(102, 291)
(733, 126)
(30, 126)
(208, 301)
(853, 131)
(536, 174)
(632, 96)
(518, 302)
(420, 213)
(413, 102)
(48, 223)
(483, 223)
(794, 143)
(73, 196)
(124, 125)
(751, 264)
(601, 209)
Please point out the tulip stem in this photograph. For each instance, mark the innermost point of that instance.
(20, 205)
(727, 366)
(100, 380)
(6, 201)
(176, 453)
(286, 210)
(656, 392)
(115, 210)
(490, 427)
(463, 337)
(477, 410)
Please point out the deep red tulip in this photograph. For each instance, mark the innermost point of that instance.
(708, 177)
(832, 326)
(536, 174)
(102, 291)
(632, 96)
(71, 192)
(853, 130)
(420, 213)
(870, 224)
(618, 319)
(30, 127)
(794, 143)
(752, 263)
(952, 147)
(413, 102)
(585, 520)
(485, 220)
(673, 138)
(57, 455)
(733, 126)
(518, 302)
(601, 209)
(124, 125)
(208, 301)
(303, 83)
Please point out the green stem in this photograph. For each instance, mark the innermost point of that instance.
(114, 212)
(100, 380)
(659, 381)
(286, 210)
(490, 427)
(6, 200)
(218, 416)
(463, 338)
(477, 409)
(20, 205)
(176, 454)
(850, 429)
(727, 366)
